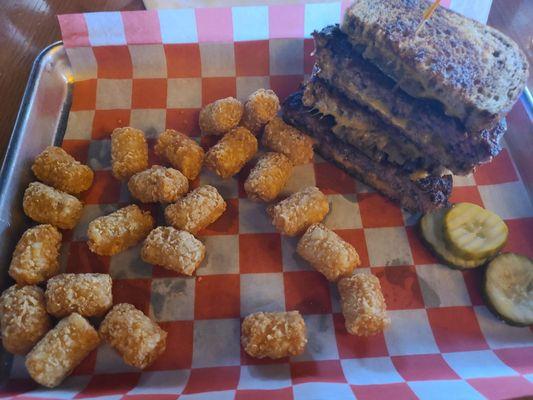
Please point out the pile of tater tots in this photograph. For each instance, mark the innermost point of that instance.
(51, 316)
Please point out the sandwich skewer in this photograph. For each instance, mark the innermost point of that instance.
(427, 15)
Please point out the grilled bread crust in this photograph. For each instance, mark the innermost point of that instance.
(475, 71)
(423, 194)
(443, 138)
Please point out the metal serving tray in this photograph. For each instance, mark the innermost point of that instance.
(41, 122)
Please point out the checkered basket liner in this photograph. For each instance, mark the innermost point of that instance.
(155, 70)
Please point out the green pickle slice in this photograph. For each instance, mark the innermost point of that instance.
(508, 288)
(432, 229)
(472, 232)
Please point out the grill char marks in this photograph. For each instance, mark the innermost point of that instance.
(399, 107)
(360, 127)
(441, 137)
(422, 194)
(475, 71)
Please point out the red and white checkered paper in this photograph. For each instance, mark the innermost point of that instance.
(155, 70)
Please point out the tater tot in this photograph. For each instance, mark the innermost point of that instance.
(55, 167)
(363, 305)
(200, 208)
(113, 233)
(299, 211)
(158, 184)
(47, 205)
(220, 116)
(86, 294)
(274, 334)
(327, 252)
(36, 256)
(61, 350)
(137, 338)
(129, 152)
(286, 139)
(23, 318)
(173, 249)
(229, 155)
(260, 108)
(268, 178)
(182, 152)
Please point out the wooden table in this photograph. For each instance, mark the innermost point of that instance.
(26, 26)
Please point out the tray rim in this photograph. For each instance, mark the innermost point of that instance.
(12, 149)
(20, 120)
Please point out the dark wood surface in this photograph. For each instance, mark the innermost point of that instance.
(27, 26)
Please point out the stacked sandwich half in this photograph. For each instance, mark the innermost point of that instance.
(400, 108)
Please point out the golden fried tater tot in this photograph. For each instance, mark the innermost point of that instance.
(36, 257)
(363, 305)
(47, 205)
(229, 155)
(173, 249)
(113, 233)
(327, 252)
(55, 167)
(182, 152)
(200, 208)
(268, 178)
(129, 152)
(220, 116)
(286, 139)
(23, 318)
(61, 350)
(299, 211)
(274, 334)
(261, 106)
(158, 184)
(86, 294)
(137, 338)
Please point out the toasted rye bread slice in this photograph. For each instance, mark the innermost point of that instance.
(443, 138)
(475, 71)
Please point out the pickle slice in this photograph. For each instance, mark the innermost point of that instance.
(508, 288)
(431, 227)
(473, 232)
